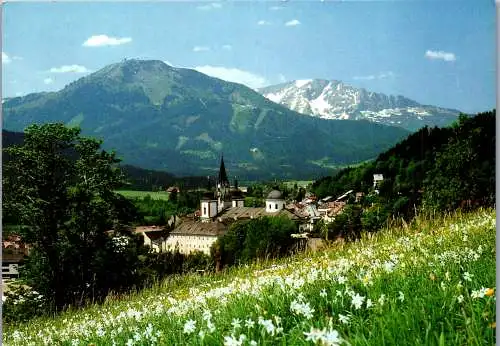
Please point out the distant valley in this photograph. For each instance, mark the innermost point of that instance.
(179, 120)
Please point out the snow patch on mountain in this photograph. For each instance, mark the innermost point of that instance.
(301, 82)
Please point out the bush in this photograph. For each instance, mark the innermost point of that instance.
(21, 303)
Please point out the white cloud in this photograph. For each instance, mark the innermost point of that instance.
(5, 58)
(263, 22)
(293, 22)
(70, 69)
(212, 6)
(18, 94)
(440, 55)
(200, 49)
(227, 47)
(48, 81)
(276, 8)
(249, 79)
(381, 75)
(105, 40)
(282, 78)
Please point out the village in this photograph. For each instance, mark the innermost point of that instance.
(218, 209)
(225, 205)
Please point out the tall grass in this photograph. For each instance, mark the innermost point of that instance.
(430, 282)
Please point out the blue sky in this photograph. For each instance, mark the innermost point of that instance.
(435, 52)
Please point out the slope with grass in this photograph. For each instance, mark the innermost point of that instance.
(427, 283)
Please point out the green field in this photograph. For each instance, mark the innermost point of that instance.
(141, 194)
(428, 283)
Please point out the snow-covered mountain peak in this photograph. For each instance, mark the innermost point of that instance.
(333, 99)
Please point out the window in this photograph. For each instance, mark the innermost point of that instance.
(204, 210)
(276, 206)
(270, 206)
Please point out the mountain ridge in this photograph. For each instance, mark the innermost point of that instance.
(180, 120)
(334, 99)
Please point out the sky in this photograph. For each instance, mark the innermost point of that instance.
(438, 53)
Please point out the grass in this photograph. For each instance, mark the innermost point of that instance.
(427, 283)
(141, 194)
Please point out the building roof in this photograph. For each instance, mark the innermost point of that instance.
(252, 213)
(275, 194)
(192, 227)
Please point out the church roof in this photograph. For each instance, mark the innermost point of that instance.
(275, 194)
(253, 213)
(192, 227)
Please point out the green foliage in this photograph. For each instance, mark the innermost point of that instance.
(22, 304)
(60, 186)
(266, 237)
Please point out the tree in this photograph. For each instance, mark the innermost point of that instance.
(60, 185)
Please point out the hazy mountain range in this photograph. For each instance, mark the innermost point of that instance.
(179, 120)
(335, 100)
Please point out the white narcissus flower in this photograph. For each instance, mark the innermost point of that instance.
(357, 301)
(189, 327)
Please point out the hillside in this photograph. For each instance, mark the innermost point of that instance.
(335, 100)
(434, 165)
(179, 120)
(431, 283)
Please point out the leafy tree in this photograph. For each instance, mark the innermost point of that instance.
(60, 185)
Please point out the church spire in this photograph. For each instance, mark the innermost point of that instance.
(222, 179)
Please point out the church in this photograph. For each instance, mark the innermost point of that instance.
(218, 210)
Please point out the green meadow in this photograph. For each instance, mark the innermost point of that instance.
(430, 282)
(141, 194)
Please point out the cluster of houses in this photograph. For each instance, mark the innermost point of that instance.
(225, 205)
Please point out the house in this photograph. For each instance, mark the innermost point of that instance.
(345, 196)
(13, 253)
(172, 189)
(377, 179)
(330, 210)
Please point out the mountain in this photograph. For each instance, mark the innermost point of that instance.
(180, 120)
(335, 100)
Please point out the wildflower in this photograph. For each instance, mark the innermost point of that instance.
(493, 325)
(301, 308)
(443, 286)
(189, 327)
(268, 325)
(489, 292)
(432, 276)
(249, 323)
(314, 335)
(467, 276)
(232, 341)
(323, 293)
(130, 342)
(460, 298)
(369, 303)
(344, 319)
(480, 293)
(401, 296)
(357, 301)
(75, 342)
(381, 300)
(236, 323)
(332, 338)
(253, 343)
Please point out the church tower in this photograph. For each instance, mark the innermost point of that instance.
(223, 188)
